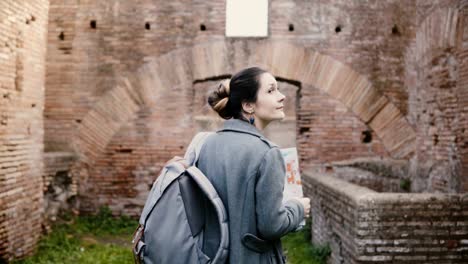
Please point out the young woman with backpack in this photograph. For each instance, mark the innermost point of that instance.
(248, 172)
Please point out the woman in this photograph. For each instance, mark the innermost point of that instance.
(248, 171)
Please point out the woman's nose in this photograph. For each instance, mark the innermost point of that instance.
(282, 97)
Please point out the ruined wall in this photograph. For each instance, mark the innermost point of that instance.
(401, 47)
(363, 226)
(159, 137)
(462, 91)
(23, 28)
(59, 187)
(437, 74)
(84, 62)
(380, 175)
(92, 45)
(328, 131)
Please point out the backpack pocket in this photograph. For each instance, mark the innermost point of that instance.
(202, 257)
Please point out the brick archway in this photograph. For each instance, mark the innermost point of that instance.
(438, 32)
(182, 67)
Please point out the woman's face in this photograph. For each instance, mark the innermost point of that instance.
(269, 105)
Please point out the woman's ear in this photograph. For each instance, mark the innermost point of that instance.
(248, 107)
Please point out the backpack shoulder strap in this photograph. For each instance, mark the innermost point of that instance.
(193, 150)
(168, 174)
(176, 169)
(223, 221)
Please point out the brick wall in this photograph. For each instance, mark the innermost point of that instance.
(123, 175)
(84, 62)
(141, 147)
(357, 33)
(23, 27)
(106, 121)
(334, 214)
(328, 131)
(462, 91)
(93, 46)
(438, 77)
(363, 226)
(381, 175)
(59, 186)
(97, 43)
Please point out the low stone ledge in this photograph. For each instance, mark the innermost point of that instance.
(365, 226)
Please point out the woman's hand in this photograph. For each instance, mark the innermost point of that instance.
(306, 204)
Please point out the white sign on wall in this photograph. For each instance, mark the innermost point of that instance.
(247, 18)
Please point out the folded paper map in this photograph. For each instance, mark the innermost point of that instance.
(293, 184)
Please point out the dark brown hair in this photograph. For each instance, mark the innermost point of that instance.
(227, 99)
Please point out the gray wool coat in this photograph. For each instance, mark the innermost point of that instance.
(248, 173)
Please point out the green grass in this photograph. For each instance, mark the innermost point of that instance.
(103, 239)
(87, 239)
(299, 250)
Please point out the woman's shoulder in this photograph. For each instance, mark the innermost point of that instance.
(240, 130)
(247, 140)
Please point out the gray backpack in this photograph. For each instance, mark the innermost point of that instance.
(171, 226)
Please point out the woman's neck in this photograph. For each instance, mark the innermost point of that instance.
(259, 124)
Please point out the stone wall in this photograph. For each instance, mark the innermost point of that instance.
(462, 91)
(436, 75)
(91, 45)
(23, 32)
(60, 188)
(327, 131)
(380, 175)
(363, 226)
(101, 126)
(84, 62)
(124, 82)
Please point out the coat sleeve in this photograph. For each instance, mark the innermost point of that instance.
(274, 219)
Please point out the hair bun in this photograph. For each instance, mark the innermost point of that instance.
(219, 99)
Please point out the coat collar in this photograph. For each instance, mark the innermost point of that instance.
(241, 126)
(245, 127)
